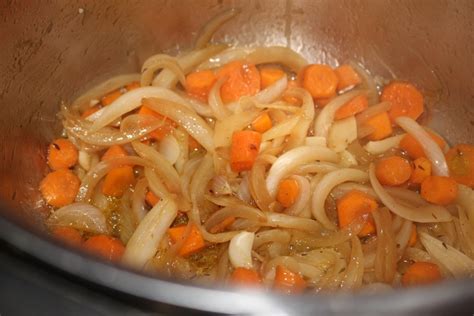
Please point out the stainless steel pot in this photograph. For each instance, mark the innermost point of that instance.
(54, 50)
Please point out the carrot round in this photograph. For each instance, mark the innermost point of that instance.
(406, 100)
(193, 243)
(288, 192)
(353, 205)
(354, 106)
(320, 81)
(244, 150)
(67, 235)
(288, 281)
(199, 84)
(421, 273)
(381, 126)
(105, 246)
(262, 123)
(62, 154)
(413, 148)
(347, 76)
(421, 170)
(59, 188)
(110, 97)
(460, 161)
(151, 198)
(245, 277)
(242, 79)
(269, 75)
(439, 190)
(118, 180)
(393, 170)
(114, 151)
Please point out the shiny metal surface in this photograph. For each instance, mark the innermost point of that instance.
(54, 50)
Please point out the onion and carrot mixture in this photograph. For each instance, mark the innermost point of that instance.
(255, 167)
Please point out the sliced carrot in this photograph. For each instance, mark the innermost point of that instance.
(262, 123)
(320, 81)
(393, 170)
(288, 281)
(242, 79)
(413, 147)
(151, 198)
(347, 76)
(105, 246)
(60, 187)
(90, 111)
(245, 277)
(413, 236)
(67, 235)
(118, 180)
(132, 86)
(270, 75)
(193, 243)
(353, 205)
(62, 154)
(324, 101)
(162, 131)
(193, 144)
(114, 151)
(354, 106)
(460, 161)
(110, 97)
(288, 192)
(381, 126)
(439, 190)
(244, 150)
(220, 227)
(421, 273)
(144, 110)
(292, 100)
(406, 100)
(421, 170)
(199, 84)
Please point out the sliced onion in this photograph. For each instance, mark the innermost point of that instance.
(452, 259)
(138, 199)
(144, 242)
(224, 129)
(84, 160)
(161, 61)
(293, 222)
(372, 111)
(83, 102)
(347, 159)
(465, 199)
(206, 33)
(300, 131)
(325, 186)
(155, 184)
(271, 235)
(421, 214)
(342, 133)
(130, 101)
(133, 127)
(282, 129)
(303, 196)
(215, 102)
(186, 118)
(220, 186)
(280, 55)
(240, 250)
(430, 148)
(167, 79)
(201, 108)
(316, 167)
(169, 148)
(367, 83)
(326, 117)
(243, 193)
(381, 146)
(81, 216)
(238, 210)
(315, 141)
(226, 56)
(272, 92)
(164, 168)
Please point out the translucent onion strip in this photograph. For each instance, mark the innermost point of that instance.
(294, 158)
(161, 61)
(206, 33)
(282, 129)
(81, 216)
(224, 129)
(226, 56)
(215, 101)
(300, 131)
(326, 117)
(280, 55)
(431, 149)
(258, 188)
(303, 196)
(144, 242)
(240, 211)
(133, 127)
(138, 199)
(186, 118)
(386, 254)
(272, 235)
(380, 146)
(325, 186)
(129, 102)
(371, 111)
(355, 269)
(452, 259)
(288, 221)
(421, 214)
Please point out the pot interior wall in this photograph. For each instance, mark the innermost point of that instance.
(54, 51)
